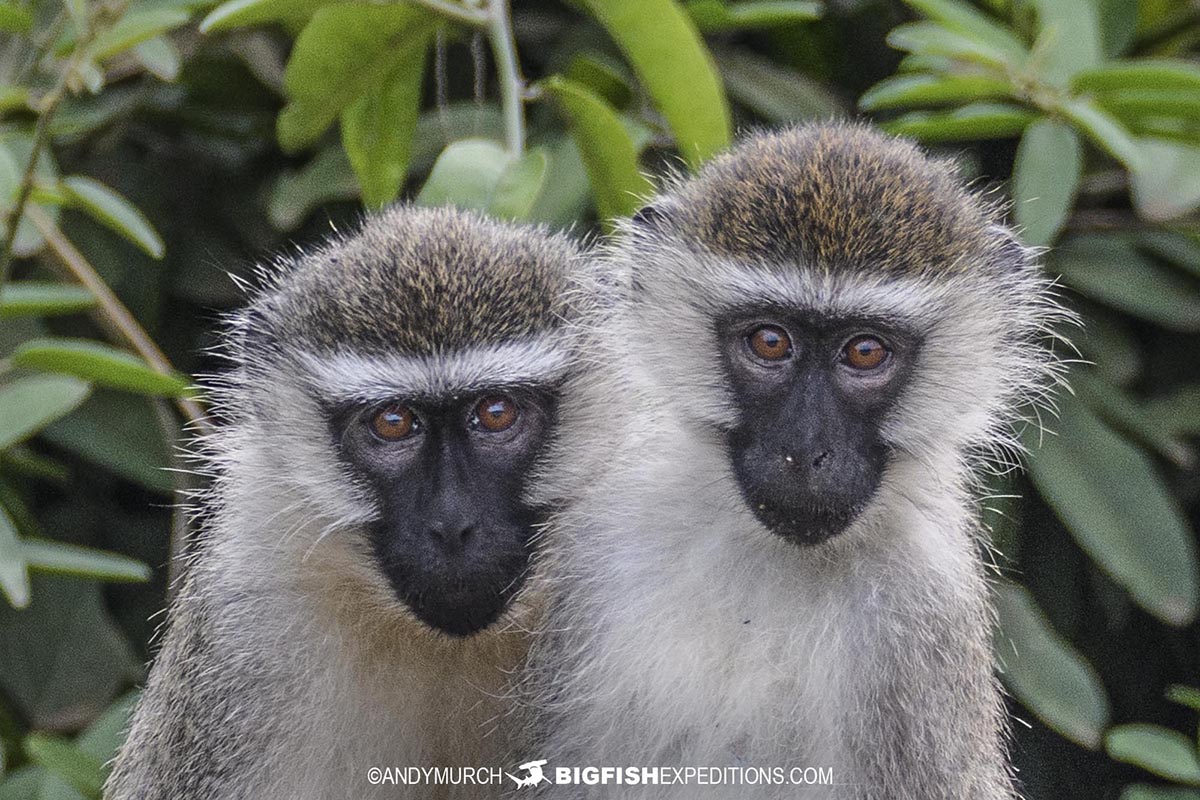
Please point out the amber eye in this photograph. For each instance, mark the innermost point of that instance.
(864, 352)
(770, 343)
(393, 423)
(496, 413)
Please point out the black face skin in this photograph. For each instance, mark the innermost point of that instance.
(807, 450)
(454, 534)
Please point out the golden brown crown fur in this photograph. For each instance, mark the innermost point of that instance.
(836, 196)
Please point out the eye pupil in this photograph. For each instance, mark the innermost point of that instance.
(497, 413)
(770, 343)
(393, 423)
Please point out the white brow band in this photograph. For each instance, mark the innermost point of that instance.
(355, 377)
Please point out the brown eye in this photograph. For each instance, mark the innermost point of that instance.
(770, 343)
(864, 352)
(393, 423)
(496, 413)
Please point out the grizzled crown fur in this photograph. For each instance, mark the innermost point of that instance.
(420, 281)
(841, 197)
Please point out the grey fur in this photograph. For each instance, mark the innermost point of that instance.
(680, 631)
(288, 666)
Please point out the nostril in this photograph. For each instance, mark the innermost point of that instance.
(451, 535)
(819, 460)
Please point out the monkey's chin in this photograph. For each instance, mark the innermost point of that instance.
(459, 614)
(806, 527)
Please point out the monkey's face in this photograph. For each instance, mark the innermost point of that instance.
(453, 532)
(813, 392)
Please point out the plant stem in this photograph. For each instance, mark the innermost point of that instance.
(459, 13)
(497, 19)
(41, 134)
(113, 314)
(508, 71)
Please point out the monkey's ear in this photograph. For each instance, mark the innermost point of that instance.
(652, 215)
(1010, 254)
(252, 332)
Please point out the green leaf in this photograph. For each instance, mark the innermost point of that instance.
(377, 128)
(71, 654)
(1110, 269)
(1045, 178)
(1107, 340)
(121, 433)
(609, 155)
(84, 562)
(104, 736)
(99, 363)
(1143, 74)
(1143, 792)
(965, 19)
(1166, 185)
(21, 460)
(1135, 103)
(1068, 40)
(160, 57)
(14, 573)
(774, 92)
(1177, 248)
(16, 146)
(712, 16)
(976, 121)
(933, 90)
(1122, 412)
(295, 195)
(932, 39)
(13, 97)
(1045, 672)
(14, 19)
(1112, 500)
(1118, 25)
(465, 174)
(677, 70)
(114, 211)
(38, 298)
(1104, 130)
(241, 13)
(1184, 695)
(1177, 411)
(29, 404)
(597, 75)
(136, 26)
(344, 50)
(519, 186)
(1166, 753)
(438, 128)
(480, 174)
(82, 771)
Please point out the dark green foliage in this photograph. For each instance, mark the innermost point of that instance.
(178, 141)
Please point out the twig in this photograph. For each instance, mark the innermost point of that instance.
(508, 71)
(497, 19)
(41, 134)
(115, 316)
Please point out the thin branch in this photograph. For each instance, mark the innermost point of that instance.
(41, 135)
(114, 315)
(508, 71)
(459, 13)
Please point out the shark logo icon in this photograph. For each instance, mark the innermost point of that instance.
(534, 774)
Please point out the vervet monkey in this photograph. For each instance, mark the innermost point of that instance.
(769, 556)
(357, 598)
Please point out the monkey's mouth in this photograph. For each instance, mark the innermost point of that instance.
(806, 525)
(459, 593)
(460, 612)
